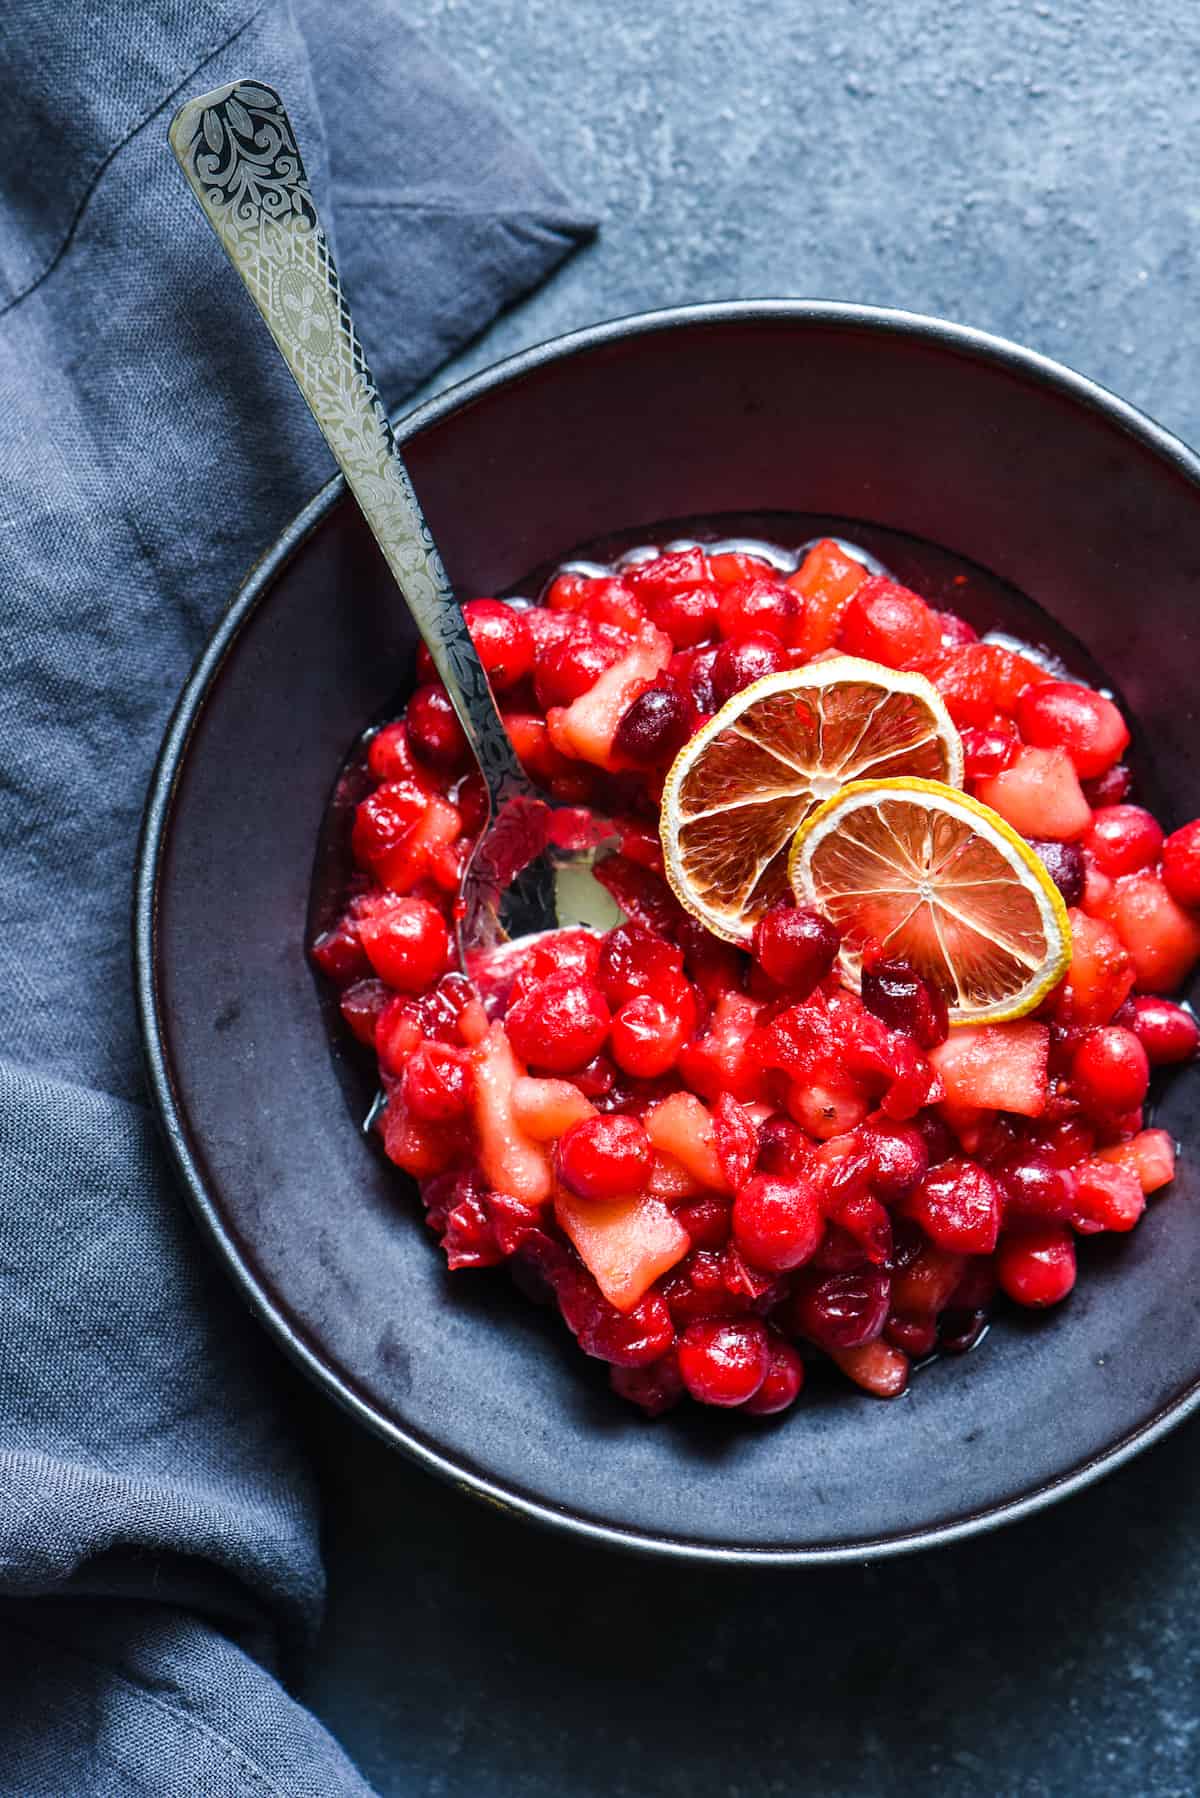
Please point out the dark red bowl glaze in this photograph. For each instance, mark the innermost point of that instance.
(969, 442)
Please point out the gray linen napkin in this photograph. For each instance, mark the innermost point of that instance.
(158, 1553)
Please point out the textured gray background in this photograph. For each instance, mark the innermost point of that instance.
(1028, 169)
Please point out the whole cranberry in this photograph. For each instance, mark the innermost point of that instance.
(691, 671)
(724, 1361)
(1122, 839)
(406, 941)
(757, 607)
(655, 726)
(743, 660)
(785, 1378)
(559, 1026)
(502, 641)
(841, 1311)
(1034, 1187)
(655, 1388)
(604, 1157)
(1166, 1031)
(1037, 1267)
(958, 1205)
(570, 667)
(888, 623)
(434, 732)
(988, 749)
(777, 1223)
(783, 1147)
(636, 960)
(1181, 864)
(688, 615)
(899, 1159)
(436, 1084)
(1061, 714)
(903, 999)
(1064, 864)
(1109, 788)
(795, 947)
(1110, 1071)
(916, 1336)
(647, 1034)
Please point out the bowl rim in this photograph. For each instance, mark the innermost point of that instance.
(963, 339)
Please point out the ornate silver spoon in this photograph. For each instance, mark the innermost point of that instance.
(237, 148)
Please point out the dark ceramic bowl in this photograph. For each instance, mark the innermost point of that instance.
(722, 413)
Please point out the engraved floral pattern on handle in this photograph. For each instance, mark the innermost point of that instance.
(238, 151)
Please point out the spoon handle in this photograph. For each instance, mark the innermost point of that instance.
(237, 148)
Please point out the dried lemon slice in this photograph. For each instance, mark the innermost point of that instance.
(739, 788)
(927, 873)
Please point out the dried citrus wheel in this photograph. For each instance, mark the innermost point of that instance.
(738, 789)
(927, 873)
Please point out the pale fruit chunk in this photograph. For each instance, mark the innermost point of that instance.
(996, 1067)
(1040, 795)
(585, 729)
(681, 1126)
(625, 1244)
(1162, 938)
(877, 1367)
(512, 1161)
(546, 1109)
(1149, 1157)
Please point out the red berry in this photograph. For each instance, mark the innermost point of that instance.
(436, 1084)
(743, 660)
(1166, 1031)
(899, 1159)
(560, 1025)
(688, 616)
(502, 641)
(777, 1223)
(988, 749)
(383, 820)
(1109, 788)
(1037, 1267)
(657, 724)
(838, 1311)
(724, 1362)
(604, 1157)
(658, 577)
(1064, 864)
(1110, 1071)
(339, 952)
(635, 960)
(887, 623)
(759, 606)
(958, 1206)
(361, 1005)
(406, 941)
(1122, 839)
(655, 1388)
(784, 1148)
(906, 1000)
(570, 666)
(434, 731)
(1060, 714)
(915, 1336)
(390, 757)
(785, 1378)
(1181, 864)
(691, 671)
(1034, 1187)
(795, 947)
(647, 1035)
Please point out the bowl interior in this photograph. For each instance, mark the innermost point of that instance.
(725, 416)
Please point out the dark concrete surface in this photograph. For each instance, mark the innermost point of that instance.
(1028, 168)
